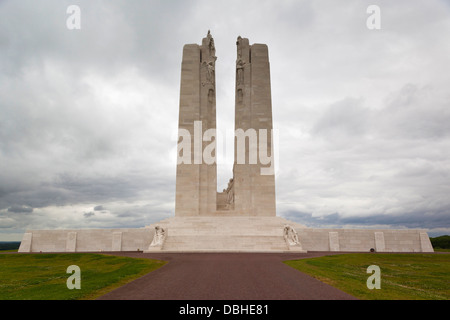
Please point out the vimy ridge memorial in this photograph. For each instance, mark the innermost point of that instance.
(243, 217)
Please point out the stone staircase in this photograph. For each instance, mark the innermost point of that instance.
(224, 234)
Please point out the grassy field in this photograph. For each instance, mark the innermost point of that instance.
(403, 276)
(44, 276)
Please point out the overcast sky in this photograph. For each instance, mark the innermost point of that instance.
(88, 118)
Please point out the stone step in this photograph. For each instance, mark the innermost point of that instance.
(238, 230)
(224, 243)
(228, 223)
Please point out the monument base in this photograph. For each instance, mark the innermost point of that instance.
(226, 234)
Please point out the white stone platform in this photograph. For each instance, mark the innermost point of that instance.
(225, 234)
(266, 234)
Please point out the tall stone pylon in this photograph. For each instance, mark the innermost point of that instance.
(253, 171)
(251, 191)
(196, 180)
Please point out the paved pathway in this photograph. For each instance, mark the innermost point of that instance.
(225, 276)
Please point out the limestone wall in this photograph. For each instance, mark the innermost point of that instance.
(111, 240)
(363, 240)
(87, 240)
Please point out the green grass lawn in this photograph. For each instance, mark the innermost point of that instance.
(403, 276)
(44, 276)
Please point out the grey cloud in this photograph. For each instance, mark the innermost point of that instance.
(99, 208)
(347, 117)
(88, 214)
(37, 198)
(412, 112)
(68, 189)
(20, 209)
(414, 220)
(415, 112)
(116, 188)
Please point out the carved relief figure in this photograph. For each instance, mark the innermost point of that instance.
(291, 236)
(239, 47)
(209, 62)
(158, 238)
(211, 46)
(230, 192)
(210, 97)
(240, 95)
(211, 72)
(240, 64)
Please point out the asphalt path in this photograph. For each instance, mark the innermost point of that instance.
(225, 276)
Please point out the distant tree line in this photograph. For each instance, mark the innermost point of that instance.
(442, 242)
(14, 245)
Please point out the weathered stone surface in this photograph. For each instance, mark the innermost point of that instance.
(88, 240)
(363, 240)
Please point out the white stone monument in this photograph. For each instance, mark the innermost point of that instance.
(243, 217)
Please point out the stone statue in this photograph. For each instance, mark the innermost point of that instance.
(211, 46)
(210, 71)
(240, 64)
(159, 237)
(230, 192)
(239, 47)
(210, 97)
(209, 62)
(291, 236)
